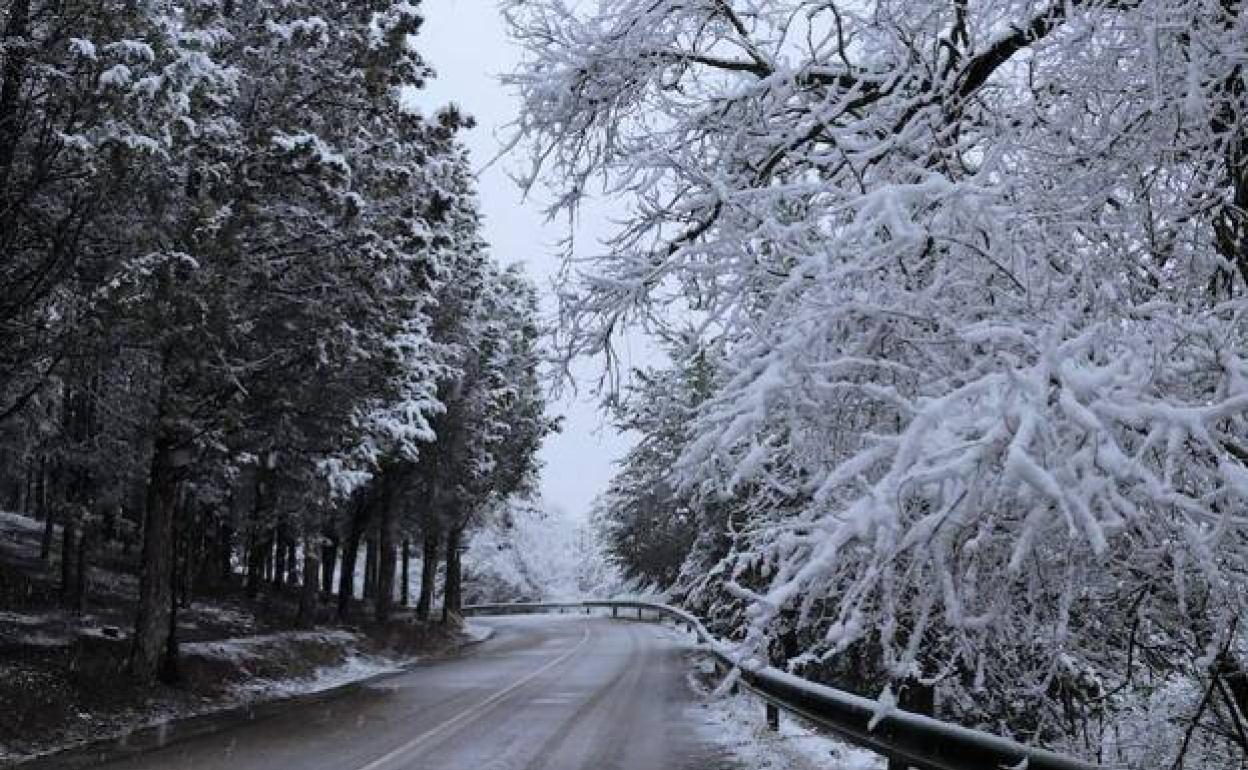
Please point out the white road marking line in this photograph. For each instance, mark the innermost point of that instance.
(474, 711)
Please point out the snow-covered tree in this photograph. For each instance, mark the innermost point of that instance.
(649, 523)
(978, 272)
(536, 552)
(494, 423)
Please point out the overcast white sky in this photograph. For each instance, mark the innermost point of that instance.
(465, 41)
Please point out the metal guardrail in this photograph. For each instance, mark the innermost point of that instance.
(903, 737)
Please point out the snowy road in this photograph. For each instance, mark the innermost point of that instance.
(545, 693)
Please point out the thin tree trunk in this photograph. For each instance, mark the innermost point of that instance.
(260, 534)
(293, 570)
(39, 502)
(346, 574)
(280, 552)
(69, 544)
(453, 600)
(329, 556)
(49, 532)
(255, 565)
(24, 492)
(370, 567)
(169, 672)
(225, 547)
(1228, 667)
(387, 534)
(81, 581)
(184, 556)
(405, 591)
(428, 574)
(308, 588)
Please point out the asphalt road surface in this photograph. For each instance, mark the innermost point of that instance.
(544, 693)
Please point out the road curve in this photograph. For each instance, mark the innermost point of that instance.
(544, 693)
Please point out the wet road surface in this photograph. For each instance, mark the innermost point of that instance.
(544, 693)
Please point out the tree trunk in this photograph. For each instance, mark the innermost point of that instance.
(69, 545)
(346, 574)
(405, 589)
(428, 574)
(453, 600)
(1228, 667)
(49, 532)
(310, 584)
(387, 536)
(257, 558)
(261, 533)
(270, 547)
(169, 673)
(224, 545)
(23, 499)
(80, 569)
(40, 501)
(152, 622)
(293, 570)
(280, 552)
(183, 554)
(370, 567)
(329, 556)
(54, 513)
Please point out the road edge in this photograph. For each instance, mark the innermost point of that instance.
(162, 734)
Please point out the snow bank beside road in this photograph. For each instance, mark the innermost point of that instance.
(355, 668)
(737, 723)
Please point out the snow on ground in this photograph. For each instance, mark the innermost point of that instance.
(27, 619)
(19, 522)
(40, 629)
(223, 615)
(353, 669)
(20, 535)
(245, 646)
(738, 724)
(477, 632)
(40, 639)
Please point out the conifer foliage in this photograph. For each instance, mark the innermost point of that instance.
(244, 296)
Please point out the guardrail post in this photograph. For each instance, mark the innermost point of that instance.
(773, 717)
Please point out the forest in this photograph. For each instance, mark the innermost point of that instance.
(954, 300)
(248, 324)
(948, 301)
